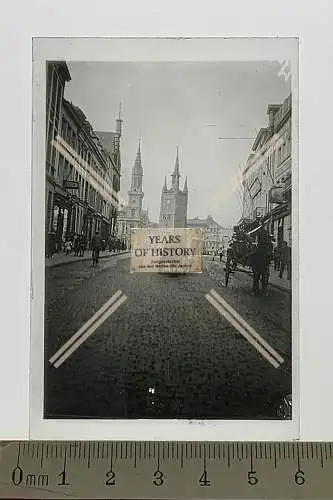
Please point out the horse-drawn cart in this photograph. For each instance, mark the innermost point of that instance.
(251, 250)
(240, 251)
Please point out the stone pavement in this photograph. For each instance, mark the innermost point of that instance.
(166, 336)
(274, 279)
(60, 259)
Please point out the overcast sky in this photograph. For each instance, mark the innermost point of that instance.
(189, 105)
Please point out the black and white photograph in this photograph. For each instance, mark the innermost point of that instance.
(154, 162)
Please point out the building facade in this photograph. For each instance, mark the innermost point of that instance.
(215, 236)
(132, 215)
(173, 211)
(83, 173)
(267, 175)
(57, 74)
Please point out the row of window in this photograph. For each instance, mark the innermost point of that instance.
(97, 172)
(86, 192)
(52, 155)
(70, 135)
(54, 96)
(268, 165)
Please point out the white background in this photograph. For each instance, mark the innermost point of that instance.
(312, 22)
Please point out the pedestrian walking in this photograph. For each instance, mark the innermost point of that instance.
(51, 245)
(221, 255)
(76, 245)
(68, 247)
(260, 261)
(285, 260)
(82, 244)
(96, 244)
(277, 258)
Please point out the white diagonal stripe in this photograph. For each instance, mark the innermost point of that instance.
(85, 326)
(90, 331)
(242, 331)
(247, 326)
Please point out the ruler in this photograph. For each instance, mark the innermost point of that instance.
(166, 470)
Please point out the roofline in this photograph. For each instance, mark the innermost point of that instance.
(71, 108)
(257, 139)
(273, 107)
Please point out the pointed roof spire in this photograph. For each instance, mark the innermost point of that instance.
(138, 162)
(176, 170)
(119, 121)
(185, 185)
(175, 175)
(165, 187)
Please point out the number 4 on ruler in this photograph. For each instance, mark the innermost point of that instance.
(203, 481)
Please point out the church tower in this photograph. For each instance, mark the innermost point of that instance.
(116, 139)
(135, 193)
(173, 212)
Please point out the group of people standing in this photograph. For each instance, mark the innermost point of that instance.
(78, 244)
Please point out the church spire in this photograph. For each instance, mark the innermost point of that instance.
(119, 122)
(185, 190)
(165, 187)
(116, 139)
(176, 175)
(137, 172)
(138, 161)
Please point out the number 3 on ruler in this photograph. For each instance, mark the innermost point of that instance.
(158, 475)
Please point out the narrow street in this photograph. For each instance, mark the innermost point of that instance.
(166, 352)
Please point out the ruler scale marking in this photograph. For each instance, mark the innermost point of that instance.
(294, 479)
(298, 460)
(89, 451)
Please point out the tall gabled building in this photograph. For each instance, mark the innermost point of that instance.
(173, 211)
(267, 176)
(82, 168)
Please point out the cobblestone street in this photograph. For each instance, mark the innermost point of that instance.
(166, 352)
